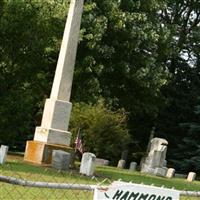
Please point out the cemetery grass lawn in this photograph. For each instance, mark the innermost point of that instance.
(136, 177)
(19, 169)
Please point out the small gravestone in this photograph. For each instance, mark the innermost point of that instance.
(121, 164)
(165, 163)
(61, 160)
(177, 175)
(160, 171)
(133, 166)
(191, 176)
(3, 153)
(124, 155)
(101, 162)
(88, 164)
(170, 173)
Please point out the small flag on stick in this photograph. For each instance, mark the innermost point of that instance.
(78, 143)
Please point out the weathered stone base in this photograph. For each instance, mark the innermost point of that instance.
(161, 171)
(52, 136)
(41, 153)
(158, 171)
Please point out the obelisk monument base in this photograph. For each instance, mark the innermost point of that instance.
(41, 153)
(55, 122)
(52, 134)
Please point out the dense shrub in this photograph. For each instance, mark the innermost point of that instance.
(103, 131)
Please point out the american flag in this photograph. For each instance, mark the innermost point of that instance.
(78, 143)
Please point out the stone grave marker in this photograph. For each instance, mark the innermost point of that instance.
(133, 166)
(165, 163)
(177, 175)
(61, 160)
(88, 164)
(191, 176)
(158, 171)
(101, 162)
(121, 164)
(170, 172)
(3, 153)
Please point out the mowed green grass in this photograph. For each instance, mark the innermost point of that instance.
(19, 169)
(137, 177)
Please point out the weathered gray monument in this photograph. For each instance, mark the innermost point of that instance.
(133, 166)
(61, 160)
(154, 162)
(53, 133)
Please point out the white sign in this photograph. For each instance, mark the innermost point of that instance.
(129, 191)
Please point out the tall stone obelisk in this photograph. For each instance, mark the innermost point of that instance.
(53, 132)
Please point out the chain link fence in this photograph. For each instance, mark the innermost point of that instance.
(27, 182)
(35, 183)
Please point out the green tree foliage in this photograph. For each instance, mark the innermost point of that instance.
(28, 51)
(179, 53)
(117, 60)
(104, 131)
(189, 159)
